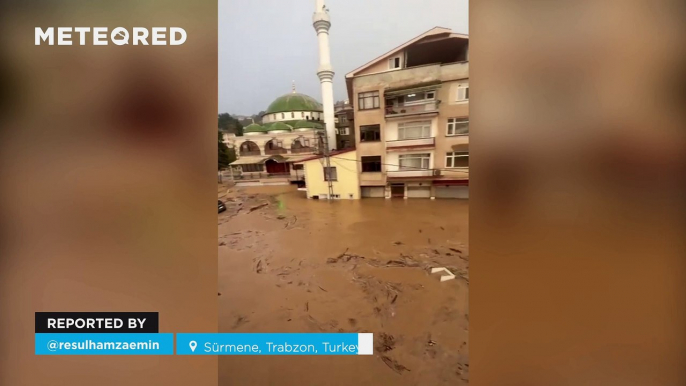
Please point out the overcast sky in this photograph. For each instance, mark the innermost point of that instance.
(266, 44)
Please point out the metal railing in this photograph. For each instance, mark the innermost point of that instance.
(414, 108)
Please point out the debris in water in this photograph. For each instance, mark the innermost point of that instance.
(254, 208)
(386, 342)
(449, 276)
(394, 365)
(280, 217)
(259, 268)
(240, 320)
(320, 287)
(398, 243)
(455, 250)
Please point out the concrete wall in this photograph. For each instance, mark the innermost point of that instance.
(382, 64)
(347, 170)
(409, 76)
(450, 108)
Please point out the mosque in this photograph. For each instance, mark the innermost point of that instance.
(291, 130)
(295, 126)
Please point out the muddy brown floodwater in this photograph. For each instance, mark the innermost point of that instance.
(288, 264)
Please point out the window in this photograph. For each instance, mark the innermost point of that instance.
(368, 100)
(417, 98)
(274, 144)
(370, 133)
(249, 168)
(394, 63)
(330, 174)
(283, 116)
(343, 119)
(292, 115)
(414, 161)
(458, 126)
(302, 115)
(457, 159)
(298, 167)
(274, 116)
(463, 93)
(344, 131)
(371, 164)
(413, 130)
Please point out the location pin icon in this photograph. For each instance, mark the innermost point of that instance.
(193, 344)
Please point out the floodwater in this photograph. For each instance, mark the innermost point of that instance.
(288, 264)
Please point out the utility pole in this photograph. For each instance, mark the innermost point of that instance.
(327, 159)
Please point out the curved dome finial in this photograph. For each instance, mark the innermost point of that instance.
(293, 87)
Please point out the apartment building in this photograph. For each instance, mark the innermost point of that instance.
(345, 127)
(411, 115)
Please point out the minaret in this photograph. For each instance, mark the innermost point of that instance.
(322, 23)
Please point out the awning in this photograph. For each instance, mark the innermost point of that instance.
(248, 160)
(410, 89)
(451, 182)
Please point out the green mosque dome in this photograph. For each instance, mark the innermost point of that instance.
(294, 102)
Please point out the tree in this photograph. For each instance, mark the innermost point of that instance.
(225, 155)
(229, 124)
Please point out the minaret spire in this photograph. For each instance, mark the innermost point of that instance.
(322, 24)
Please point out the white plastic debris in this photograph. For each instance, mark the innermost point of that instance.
(449, 276)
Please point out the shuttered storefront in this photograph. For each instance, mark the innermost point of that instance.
(419, 191)
(373, 192)
(452, 192)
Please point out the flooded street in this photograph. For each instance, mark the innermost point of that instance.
(288, 264)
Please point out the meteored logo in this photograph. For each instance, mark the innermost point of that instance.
(101, 36)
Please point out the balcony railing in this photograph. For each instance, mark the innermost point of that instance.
(413, 173)
(275, 151)
(400, 110)
(400, 143)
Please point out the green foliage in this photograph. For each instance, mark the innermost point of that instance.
(229, 124)
(224, 155)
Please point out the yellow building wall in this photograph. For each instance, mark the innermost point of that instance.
(347, 185)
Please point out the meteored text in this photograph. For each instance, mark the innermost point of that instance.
(102, 36)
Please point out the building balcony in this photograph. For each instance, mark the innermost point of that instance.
(401, 144)
(404, 110)
(413, 173)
